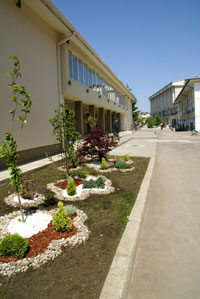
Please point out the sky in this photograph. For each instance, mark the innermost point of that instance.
(146, 43)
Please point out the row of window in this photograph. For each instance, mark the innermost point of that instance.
(79, 71)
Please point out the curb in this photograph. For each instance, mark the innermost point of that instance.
(116, 283)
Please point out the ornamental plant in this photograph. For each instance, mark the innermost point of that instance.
(120, 164)
(28, 189)
(20, 108)
(83, 174)
(71, 187)
(14, 245)
(104, 164)
(70, 210)
(64, 130)
(92, 121)
(98, 143)
(61, 222)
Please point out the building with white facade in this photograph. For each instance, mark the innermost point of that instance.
(163, 102)
(58, 66)
(188, 103)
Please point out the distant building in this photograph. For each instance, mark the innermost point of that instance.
(163, 102)
(188, 103)
(144, 115)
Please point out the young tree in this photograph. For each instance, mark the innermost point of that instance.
(150, 122)
(157, 119)
(64, 129)
(98, 143)
(20, 101)
(135, 110)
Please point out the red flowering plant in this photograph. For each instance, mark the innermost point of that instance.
(98, 143)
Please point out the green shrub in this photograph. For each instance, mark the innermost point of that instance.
(104, 164)
(99, 183)
(14, 245)
(89, 184)
(120, 164)
(71, 187)
(83, 174)
(61, 222)
(70, 210)
(126, 157)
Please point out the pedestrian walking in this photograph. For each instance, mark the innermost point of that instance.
(115, 127)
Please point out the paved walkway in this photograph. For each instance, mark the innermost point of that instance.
(167, 260)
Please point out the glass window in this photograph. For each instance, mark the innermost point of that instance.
(70, 64)
(90, 78)
(93, 80)
(80, 71)
(75, 72)
(85, 75)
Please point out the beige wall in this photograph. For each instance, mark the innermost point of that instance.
(24, 34)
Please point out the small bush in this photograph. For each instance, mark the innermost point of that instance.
(71, 187)
(126, 157)
(61, 222)
(70, 210)
(14, 245)
(99, 183)
(89, 184)
(28, 189)
(104, 164)
(83, 174)
(120, 164)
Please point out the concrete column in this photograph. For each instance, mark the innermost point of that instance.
(79, 117)
(92, 110)
(197, 105)
(109, 121)
(101, 121)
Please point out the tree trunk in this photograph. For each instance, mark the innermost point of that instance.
(20, 205)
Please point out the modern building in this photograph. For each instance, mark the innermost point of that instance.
(163, 102)
(188, 103)
(59, 66)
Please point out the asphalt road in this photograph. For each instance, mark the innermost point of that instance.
(167, 261)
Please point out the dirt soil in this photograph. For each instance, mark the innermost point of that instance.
(79, 272)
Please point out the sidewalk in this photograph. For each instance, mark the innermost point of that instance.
(167, 261)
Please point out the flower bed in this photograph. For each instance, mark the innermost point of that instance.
(97, 166)
(44, 245)
(12, 200)
(81, 193)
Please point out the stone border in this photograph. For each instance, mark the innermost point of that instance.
(33, 203)
(53, 249)
(117, 280)
(61, 168)
(85, 192)
(93, 166)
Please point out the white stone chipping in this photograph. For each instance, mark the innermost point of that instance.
(33, 224)
(12, 200)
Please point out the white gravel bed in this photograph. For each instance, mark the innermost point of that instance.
(97, 166)
(53, 249)
(12, 200)
(81, 193)
(34, 223)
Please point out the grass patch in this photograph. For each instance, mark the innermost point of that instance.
(78, 272)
